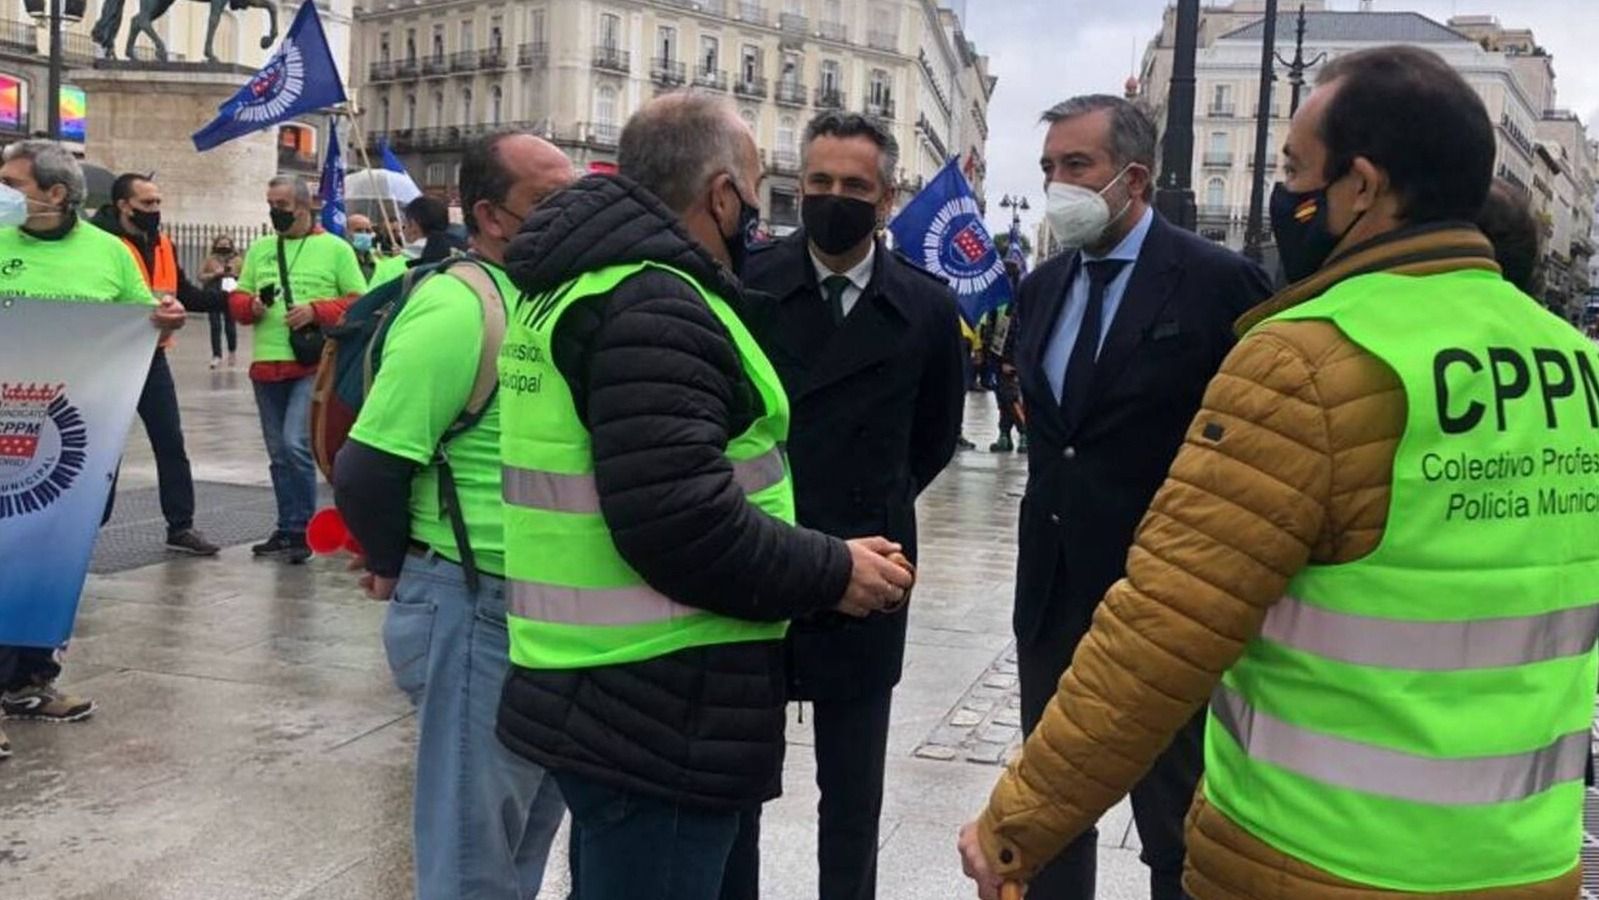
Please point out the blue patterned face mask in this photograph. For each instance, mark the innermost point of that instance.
(13, 206)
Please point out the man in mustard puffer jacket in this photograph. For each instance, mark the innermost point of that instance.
(1375, 556)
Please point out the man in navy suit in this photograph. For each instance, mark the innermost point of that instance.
(1119, 339)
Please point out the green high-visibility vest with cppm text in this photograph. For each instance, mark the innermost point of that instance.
(573, 601)
(1418, 719)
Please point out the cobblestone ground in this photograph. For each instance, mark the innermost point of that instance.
(250, 745)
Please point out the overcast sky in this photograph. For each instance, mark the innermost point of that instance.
(1047, 50)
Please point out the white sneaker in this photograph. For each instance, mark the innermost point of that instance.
(216, 361)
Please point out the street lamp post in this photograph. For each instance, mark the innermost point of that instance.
(1017, 205)
(1253, 231)
(1298, 65)
(1175, 197)
(60, 11)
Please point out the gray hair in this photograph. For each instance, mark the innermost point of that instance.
(302, 190)
(52, 165)
(677, 143)
(1132, 132)
(850, 124)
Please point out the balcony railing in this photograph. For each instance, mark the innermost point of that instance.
(1271, 160)
(882, 40)
(1223, 110)
(491, 58)
(378, 71)
(463, 61)
(833, 31)
(785, 162)
(1218, 158)
(667, 72)
(750, 87)
(790, 93)
(436, 65)
(794, 23)
(882, 109)
(754, 13)
(16, 35)
(535, 54)
(406, 68)
(829, 98)
(611, 59)
(1215, 212)
(710, 78)
(78, 48)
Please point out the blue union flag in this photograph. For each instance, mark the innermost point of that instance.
(942, 230)
(298, 79)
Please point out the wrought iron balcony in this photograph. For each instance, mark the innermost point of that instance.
(829, 98)
(491, 58)
(753, 13)
(1218, 158)
(882, 109)
(534, 54)
(667, 72)
(750, 87)
(611, 59)
(794, 23)
(791, 93)
(882, 40)
(785, 162)
(833, 31)
(710, 78)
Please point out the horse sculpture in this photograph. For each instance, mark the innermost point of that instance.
(105, 30)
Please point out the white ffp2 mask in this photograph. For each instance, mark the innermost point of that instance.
(1079, 216)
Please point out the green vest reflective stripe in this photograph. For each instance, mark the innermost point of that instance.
(1418, 719)
(573, 601)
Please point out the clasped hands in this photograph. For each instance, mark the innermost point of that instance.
(880, 578)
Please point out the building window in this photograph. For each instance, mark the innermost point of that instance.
(438, 41)
(1221, 97)
(610, 31)
(605, 106)
(882, 92)
(466, 106)
(794, 7)
(383, 47)
(1215, 193)
(710, 54)
(535, 26)
(496, 34)
(830, 76)
(468, 37)
(666, 43)
(496, 104)
(438, 173)
(784, 209)
(438, 107)
(383, 113)
(1218, 143)
(410, 111)
(791, 68)
(787, 135)
(410, 45)
(833, 12)
(750, 65)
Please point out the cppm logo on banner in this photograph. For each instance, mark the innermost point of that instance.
(43, 446)
(958, 247)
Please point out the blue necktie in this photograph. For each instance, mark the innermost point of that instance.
(1085, 353)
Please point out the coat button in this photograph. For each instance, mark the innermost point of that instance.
(1054, 518)
(1069, 453)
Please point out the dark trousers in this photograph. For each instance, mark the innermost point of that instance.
(158, 409)
(1007, 396)
(628, 846)
(22, 667)
(851, 745)
(1160, 801)
(222, 323)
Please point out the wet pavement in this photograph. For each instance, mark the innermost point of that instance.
(249, 743)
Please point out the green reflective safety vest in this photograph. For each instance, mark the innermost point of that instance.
(573, 601)
(1418, 719)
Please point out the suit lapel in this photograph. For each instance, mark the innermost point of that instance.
(869, 335)
(1148, 291)
(1050, 301)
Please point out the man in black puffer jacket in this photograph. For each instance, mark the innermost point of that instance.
(651, 558)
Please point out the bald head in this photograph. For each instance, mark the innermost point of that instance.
(503, 177)
(679, 142)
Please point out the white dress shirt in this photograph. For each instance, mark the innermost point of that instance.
(859, 277)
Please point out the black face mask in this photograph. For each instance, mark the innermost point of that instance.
(1299, 223)
(743, 237)
(283, 219)
(837, 224)
(222, 251)
(147, 222)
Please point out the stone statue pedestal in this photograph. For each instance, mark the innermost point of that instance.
(140, 119)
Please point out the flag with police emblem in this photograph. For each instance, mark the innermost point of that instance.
(299, 78)
(942, 230)
(333, 216)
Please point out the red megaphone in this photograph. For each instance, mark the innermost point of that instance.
(326, 534)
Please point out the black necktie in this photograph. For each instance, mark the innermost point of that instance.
(836, 285)
(1085, 353)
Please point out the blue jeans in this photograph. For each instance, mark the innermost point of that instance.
(285, 408)
(629, 846)
(484, 817)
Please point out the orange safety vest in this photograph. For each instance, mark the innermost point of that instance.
(164, 280)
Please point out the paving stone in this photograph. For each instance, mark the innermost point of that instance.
(997, 734)
(965, 718)
(933, 751)
(985, 753)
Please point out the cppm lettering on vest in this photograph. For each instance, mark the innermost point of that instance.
(1513, 393)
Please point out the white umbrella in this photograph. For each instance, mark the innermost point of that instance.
(380, 184)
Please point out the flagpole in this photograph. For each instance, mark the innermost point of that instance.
(349, 112)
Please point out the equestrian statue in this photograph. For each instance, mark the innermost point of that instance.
(110, 22)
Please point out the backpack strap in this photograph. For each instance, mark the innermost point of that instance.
(475, 276)
(408, 282)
